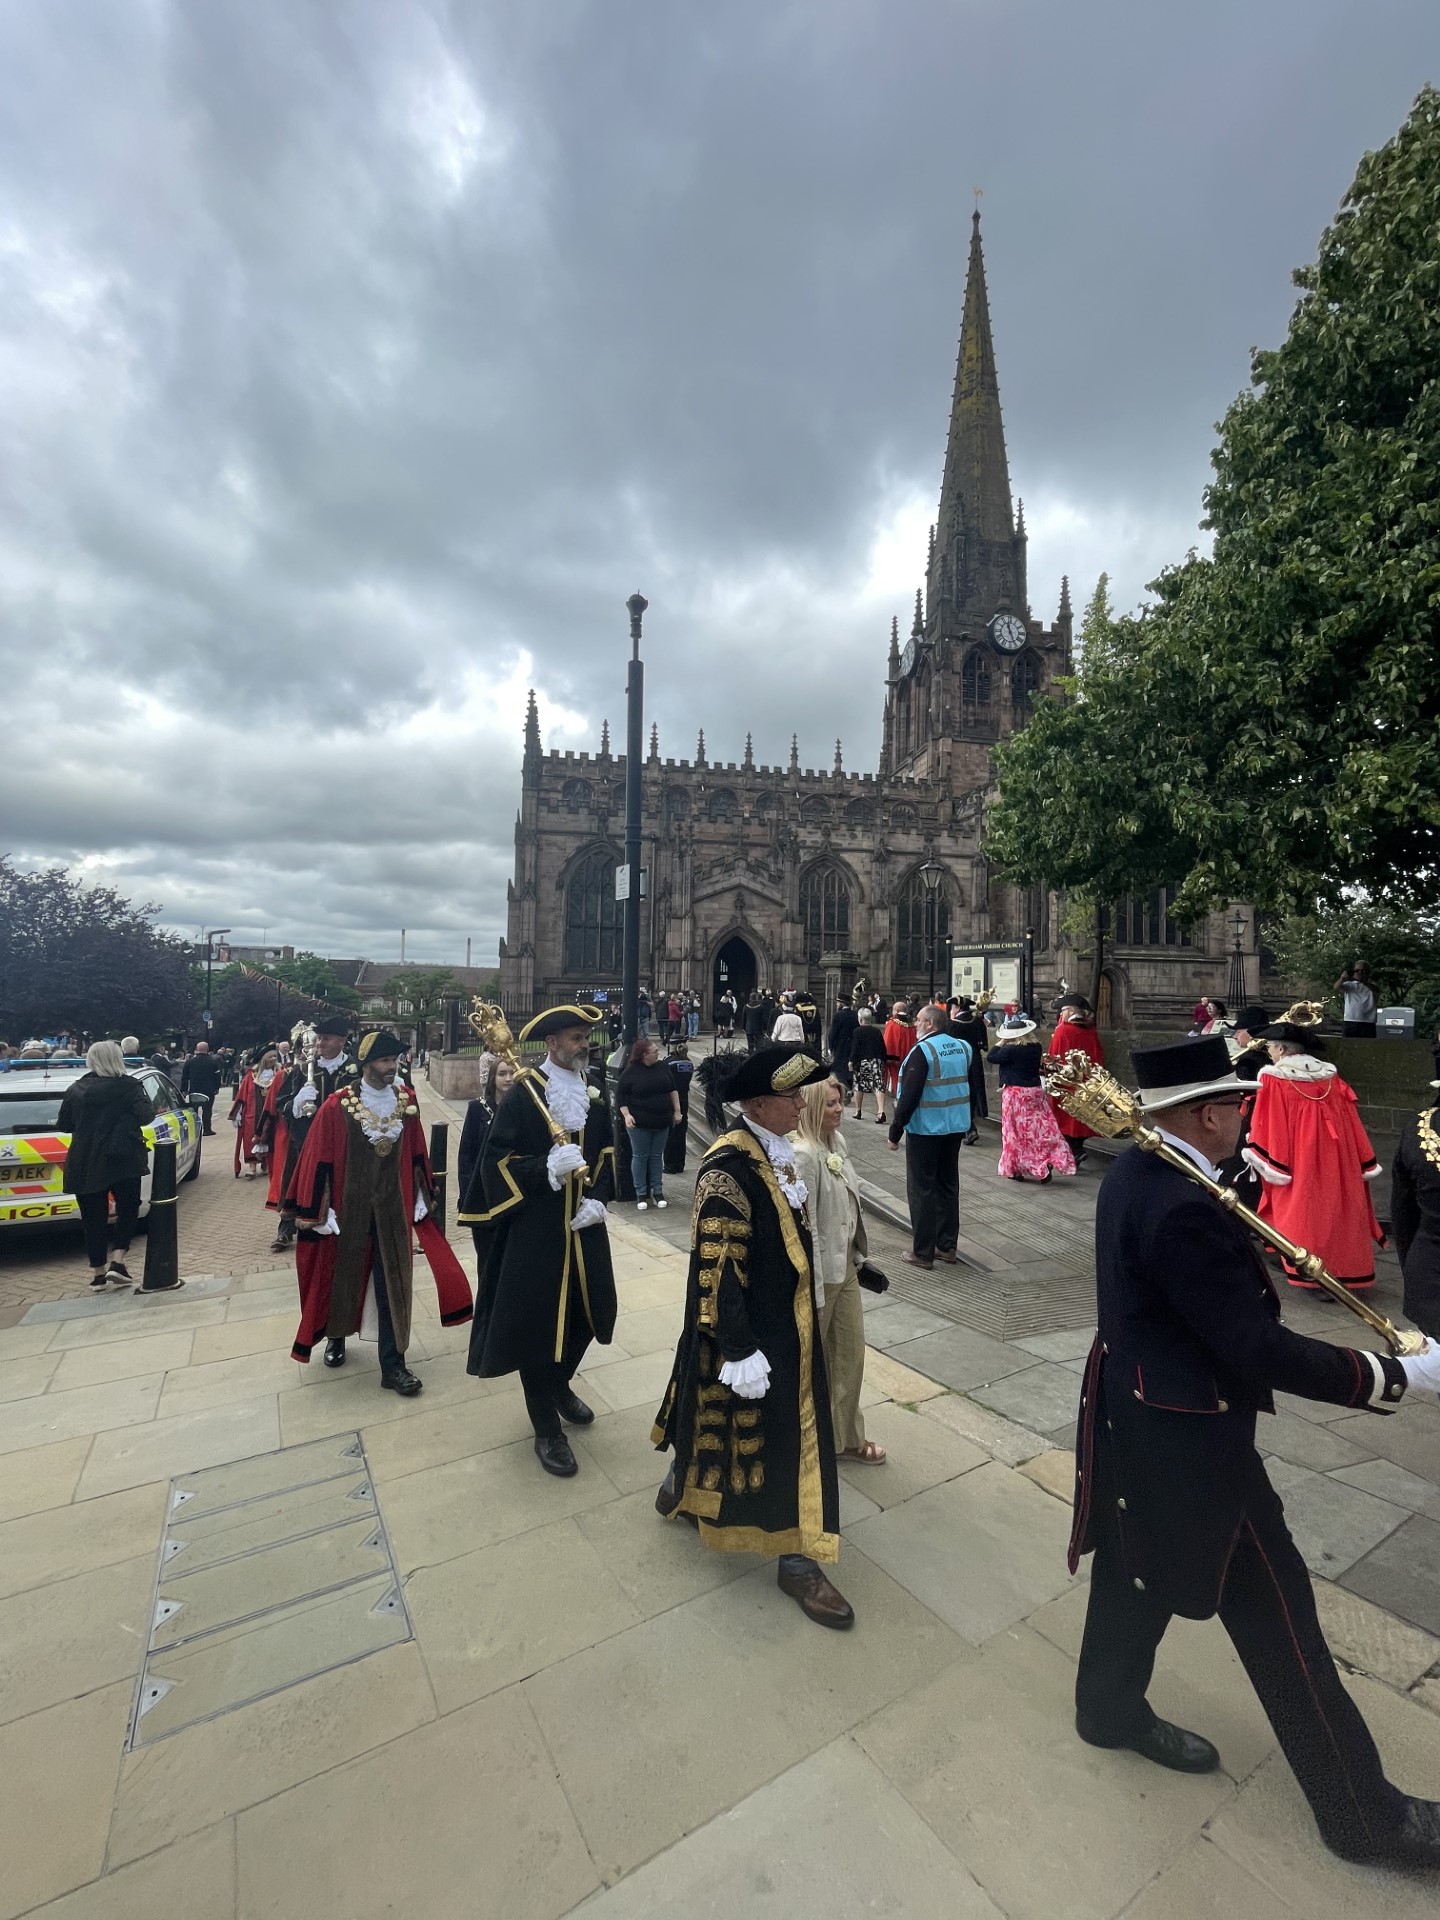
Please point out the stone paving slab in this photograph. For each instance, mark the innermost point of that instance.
(1333, 1524)
(1402, 1574)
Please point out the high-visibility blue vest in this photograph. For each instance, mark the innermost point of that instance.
(945, 1103)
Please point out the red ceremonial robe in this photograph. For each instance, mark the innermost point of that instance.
(274, 1130)
(1070, 1038)
(1315, 1163)
(319, 1184)
(249, 1104)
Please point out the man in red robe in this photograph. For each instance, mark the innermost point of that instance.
(1075, 1034)
(362, 1191)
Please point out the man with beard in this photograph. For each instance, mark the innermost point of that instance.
(547, 1170)
(747, 1410)
(362, 1190)
(295, 1099)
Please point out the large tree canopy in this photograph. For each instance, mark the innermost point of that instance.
(84, 960)
(1269, 729)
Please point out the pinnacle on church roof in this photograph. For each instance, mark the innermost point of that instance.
(794, 753)
(654, 740)
(749, 754)
(1020, 517)
(700, 759)
(605, 736)
(531, 762)
(1065, 596)
(839, 762)
(919, 627)
(894, 645)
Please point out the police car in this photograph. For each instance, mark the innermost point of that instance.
(32, 1148)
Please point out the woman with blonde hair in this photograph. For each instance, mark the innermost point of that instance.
(245, 1114)
(104, 1113)
(838, 1232)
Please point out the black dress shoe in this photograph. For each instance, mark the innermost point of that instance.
(402, 1381)
(1165, 1744)
(334, 1353)
(555, 1456)
(573, 1409)
(819, 1601)
(1414, 1843)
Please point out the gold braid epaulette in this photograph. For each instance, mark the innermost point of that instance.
(719, 1239)
(1429, 1140)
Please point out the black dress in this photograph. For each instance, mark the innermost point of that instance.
(974, 1032)
(1415, 1215)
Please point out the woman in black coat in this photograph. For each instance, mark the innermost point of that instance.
(497, 1076)
(105, 1113)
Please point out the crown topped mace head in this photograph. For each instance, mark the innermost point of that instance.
(491, 1025)
(1089, 1093)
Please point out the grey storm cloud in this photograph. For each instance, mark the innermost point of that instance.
(358, 357)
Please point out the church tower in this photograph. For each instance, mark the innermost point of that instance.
(976, 660)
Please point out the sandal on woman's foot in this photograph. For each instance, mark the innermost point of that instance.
(867, 1456)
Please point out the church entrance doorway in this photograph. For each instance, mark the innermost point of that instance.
(734, 968)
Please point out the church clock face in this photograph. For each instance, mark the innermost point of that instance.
(907, 658)
(1007, 631)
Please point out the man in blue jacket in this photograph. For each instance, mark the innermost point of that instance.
(932, 1112)
(1170, 1492)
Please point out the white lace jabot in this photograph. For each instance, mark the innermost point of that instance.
(381, 1122)
(780, 1152)
(567, 1094)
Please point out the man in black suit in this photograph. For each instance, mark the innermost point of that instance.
(1170, 1492)
(201, 1081)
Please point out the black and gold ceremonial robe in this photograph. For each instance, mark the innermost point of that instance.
(759, 1475)
(543, 1290)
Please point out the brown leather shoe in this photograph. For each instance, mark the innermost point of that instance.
(819, 1601)
(914, 1260)
(951, 1258)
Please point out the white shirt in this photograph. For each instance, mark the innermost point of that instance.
(780, 1152)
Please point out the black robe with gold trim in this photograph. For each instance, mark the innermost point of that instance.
(759, 1475)
(543, 1290)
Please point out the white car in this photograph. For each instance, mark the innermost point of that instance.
(33, 1150)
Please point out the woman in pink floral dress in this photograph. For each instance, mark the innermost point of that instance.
(1032, 1146)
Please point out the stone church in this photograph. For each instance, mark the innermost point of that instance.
(788, 876)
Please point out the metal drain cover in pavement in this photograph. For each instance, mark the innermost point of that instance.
(272, 1570)
(1009, 1305)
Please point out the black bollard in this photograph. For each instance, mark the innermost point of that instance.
(439, 1154)
(162, 1239)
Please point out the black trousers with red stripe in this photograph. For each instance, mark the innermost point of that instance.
(1267, 1606)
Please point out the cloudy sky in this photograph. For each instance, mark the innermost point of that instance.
(359, 357)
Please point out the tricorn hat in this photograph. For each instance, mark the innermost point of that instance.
(1077, 1000)
(559, 1020)
(1183, 1070)
(1297, 1025)
(1252, 1019)
(333, 1023)
(732, 1076)
(380, 1045)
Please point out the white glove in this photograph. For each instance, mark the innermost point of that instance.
(305, 1101)
(749, 1378)
(237, 1120)
(330, 1225)
(563, 1159)
(1423, 1369)
(589, 1213)
(420, 1208)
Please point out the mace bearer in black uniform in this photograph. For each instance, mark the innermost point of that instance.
(1170, 1493)
(547, 1170)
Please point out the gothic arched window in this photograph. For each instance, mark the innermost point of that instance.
(902, 816)
(815, 808)
(677, 804)
(860, 813)
(592, 916)
(768, 806)
(1025, 680)
(974, 689)
(723, 804)
(575, 795)
(914, 927)
(824, 911)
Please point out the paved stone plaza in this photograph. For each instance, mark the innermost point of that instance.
(552, 1703)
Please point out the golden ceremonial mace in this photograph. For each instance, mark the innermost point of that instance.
(1091, 1094)
(493, 1028)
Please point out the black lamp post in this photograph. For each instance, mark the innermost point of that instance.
(634, 749)
(210, 938)
(932, 873)
(1237, 963)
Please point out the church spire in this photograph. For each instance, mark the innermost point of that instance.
(530, 765)
(977, 561)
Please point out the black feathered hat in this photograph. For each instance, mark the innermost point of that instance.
(732, 1076)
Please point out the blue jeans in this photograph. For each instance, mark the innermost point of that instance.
(693, 1021)
(647, 1161)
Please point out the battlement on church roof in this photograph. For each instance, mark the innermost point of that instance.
(823, 779)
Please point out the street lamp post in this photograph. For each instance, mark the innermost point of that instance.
(634, 748)
(1237, 963)
(932, 873)
(210, 938)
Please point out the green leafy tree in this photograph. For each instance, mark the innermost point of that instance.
(417, 990)
(1400, 948)
(85, 960)
(309, 974)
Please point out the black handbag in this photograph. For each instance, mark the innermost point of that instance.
(871, 1278)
